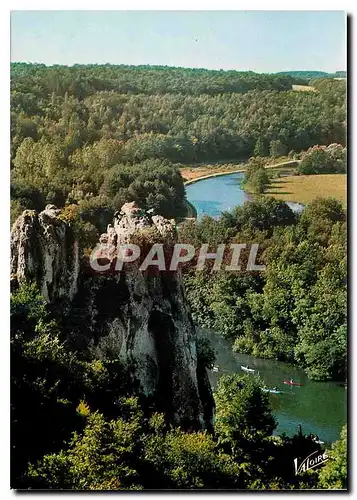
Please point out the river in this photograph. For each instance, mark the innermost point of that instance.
(320, 407)
(214, 195)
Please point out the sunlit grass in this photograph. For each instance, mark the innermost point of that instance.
(210, 169)
(190, 173)
(305, 188)
(304, 88)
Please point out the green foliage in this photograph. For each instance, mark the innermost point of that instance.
(82, 80)
(256, 178)
(262, 214)
(126, 454)
(191, 461)
(243, 417)
(48, 381)
(90, 138)
(324, 160)
(98, 459)
(308, 75)
(43, 375)
(84, 432)
(333, 475)
(28, 196)
(294, 311)
(86, 233)
(276, 148)
(86, 131)
(258, 182)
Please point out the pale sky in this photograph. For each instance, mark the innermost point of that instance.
(262, 41)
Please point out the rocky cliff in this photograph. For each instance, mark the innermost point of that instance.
(44, 250)
(139, 316)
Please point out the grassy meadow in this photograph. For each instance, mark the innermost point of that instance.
(304, 88)
(305, 188)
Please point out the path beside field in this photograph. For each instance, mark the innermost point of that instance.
(241, 170)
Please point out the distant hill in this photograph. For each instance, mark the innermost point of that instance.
(310, 75)
(83, 80)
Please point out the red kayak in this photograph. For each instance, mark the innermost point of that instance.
(289, 382)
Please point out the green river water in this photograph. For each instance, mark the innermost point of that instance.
(320, 407)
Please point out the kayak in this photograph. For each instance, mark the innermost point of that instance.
(318, 441)
(272, 391)
(288, 382)
(215, 369)
(246, 369)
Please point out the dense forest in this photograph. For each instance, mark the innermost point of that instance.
(311, 75)
(296, 311)
(99, 135)
(76, 424)
(90, 138)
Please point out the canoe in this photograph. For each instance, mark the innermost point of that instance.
(288, 382)
(272, 391)
(248, 370)
(318, 441)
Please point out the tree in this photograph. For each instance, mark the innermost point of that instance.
(243, 415)
(205, 353)
(256, 178)
(259, 181)
(276, 149)
(333, 475)
(71, 126)
(263, 213)
(324, 160)
(322, 347)
(48, 381)
(102, 458)
(259, 149)
(189, 461)
(44, 377)
(296, 310)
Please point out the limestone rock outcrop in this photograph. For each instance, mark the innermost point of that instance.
(141, 317)
(44, 250)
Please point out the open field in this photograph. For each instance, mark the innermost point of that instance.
(305, 188)
(304, 88)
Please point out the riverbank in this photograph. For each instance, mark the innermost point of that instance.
(196, 174)
(215, 174)
(191, 212)
(320, 407)
(297, 189)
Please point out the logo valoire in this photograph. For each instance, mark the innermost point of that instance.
(315, 459)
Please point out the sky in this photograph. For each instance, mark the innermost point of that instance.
(261, 41)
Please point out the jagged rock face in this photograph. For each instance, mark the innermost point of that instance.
(43, 249)
(150, 326)
(140, 317)
(148, 322)
(132, 219)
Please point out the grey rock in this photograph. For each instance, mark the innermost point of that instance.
(43, 249)
(141, 317)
